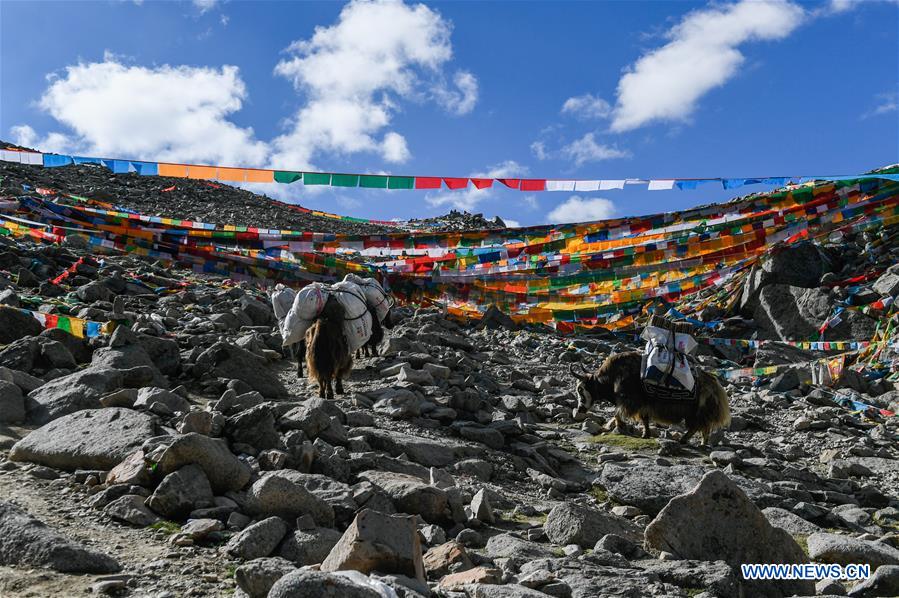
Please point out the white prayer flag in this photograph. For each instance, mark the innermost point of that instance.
(586, 185)
(606, 185)
(661, 184)
(560, 185)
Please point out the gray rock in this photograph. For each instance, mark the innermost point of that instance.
(164, 353)
(224, 470)
(255, 426)
(792, 523)
(127, 357)
(308, 547)
(257, 540)
(181, 492)
(481, 509)
(131, 509)
(68, 394)
(715, 577)
(16, 324)
(225, 360)
(507, 546)
(569, 523)
(888, 283)
(425, 451)
(28, 542)
(378, 542)
(12, 403)
(275, 493)
(315, 584)
(844, 550)
(88, 439)
(411, 495)
(146, 397)
(258, 576)
(884, 582)
(716, 520)
(787, 313)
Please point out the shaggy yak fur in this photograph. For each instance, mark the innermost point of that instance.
(328, 356)
(618, 381)
(298, 351)
(372, 345)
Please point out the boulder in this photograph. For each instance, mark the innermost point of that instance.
(801, 265)
(224, 470)
(148, 396)
(255, 427)
(275, 493)
(789, 521)
(68, 394)
(378, 542)
(481, 509)
(132, 470)
(716, 520)
(258, 576)
(883, 582)
(28, 542)
(88, 439)
(844, 550)
(410, 495)
(12, 403)
(789, 313)
(78, 347)
(507, 546)
(569, 523)
(16, 324)
(308, 546)
(305, 583)
(164, 353)
(440, 560)
(131, 509)
(425, 451)
(181, 492)
(225, 360)
(257, 540)
(126, 357)
(888, 283)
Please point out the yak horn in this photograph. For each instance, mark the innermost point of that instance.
(582, 376)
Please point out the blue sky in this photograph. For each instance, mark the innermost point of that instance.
(541, 89)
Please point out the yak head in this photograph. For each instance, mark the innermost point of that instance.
(591, 388)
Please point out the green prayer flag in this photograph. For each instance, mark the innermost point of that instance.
(316, 178)
(284, 176)
(373, 182)
(344, 180)
(401, 182)
(63, 323)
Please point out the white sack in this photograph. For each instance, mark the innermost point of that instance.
(307, 305)
(282, 301)
(357, 319)
(658, 357)
(375, 295)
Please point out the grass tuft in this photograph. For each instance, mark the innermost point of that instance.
(630, 443)
(166, 526)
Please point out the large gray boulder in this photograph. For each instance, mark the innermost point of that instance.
(12, 403)
(28, 542)
(888, 283)
(507, 546)
(305, 583)
(793, 313)
(716, 520)
(425, 451)
(224, 470)
(68, 394)
(800, 265)
(163, 352)
(257, 540)
(574, 524)
(258, 576)
(181, 492)
(308, 546)
(378, 542)
(16, 324)
(255, 427)
(225, 360)
(411, 495)
(844, 550)
(131, 509)
(88, 439)
(883, 582)
(275, 493)
(125, 357)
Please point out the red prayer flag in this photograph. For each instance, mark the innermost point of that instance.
(482, 183)
(533, 184)
(512, 183)
(427, 182)
(455, 183)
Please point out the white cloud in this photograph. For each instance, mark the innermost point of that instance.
(586, 149)
(702, 53)
(205, 5)
(886, 103)
(539, 149)
(353, 74)
(163, 113)
(587, 106)
(510, 223)
(530, 202)
(578, 209)
(469, 198)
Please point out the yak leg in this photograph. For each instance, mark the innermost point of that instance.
(330, 389)
(300, 349)
(690, 431)
(645, 419)
(706, 435)
(339, 386)
(321, 389)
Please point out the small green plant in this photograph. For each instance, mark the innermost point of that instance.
(558, 552)
(599, 494)
(166, 526)
(231, 571)
(803, 543)
(629, 443)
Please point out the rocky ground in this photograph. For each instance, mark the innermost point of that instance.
(182, 456)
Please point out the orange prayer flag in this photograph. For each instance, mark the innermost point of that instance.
(260, 176)
(232, 174)
(178, 170)
(202, 172)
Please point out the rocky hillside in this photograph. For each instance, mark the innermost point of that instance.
(179, 455)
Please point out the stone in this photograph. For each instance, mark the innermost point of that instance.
(716, 520)
(789, 521)
(787, 312)
(378, 542)
(257, 540)
(15, 324)
(476, 468)
(568, 523)
(411, 495)
(26, 541)
(131, 509)
(477, 575)
(308, 546)
(200, 529)
(132, 471)
(71, 393)
(146, 397)
(424, 451)
(481, 509)
(883, 582)
(306, 583)
(508, 546)
(225, 360)
(489, 436)
(715, 577)
(88, 439)
(127, 357)
(844, 550)
(224, 470)
(12, 403)
(257, 577)
(181, 492)
(443, 559)
(255, 427)
(888, 283)
(164, 353)
(275, 493)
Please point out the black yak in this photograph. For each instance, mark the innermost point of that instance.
(372, 345)
(618, 381)
(328, 356)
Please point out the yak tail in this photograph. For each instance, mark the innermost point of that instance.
(713, 400)
(316, 350)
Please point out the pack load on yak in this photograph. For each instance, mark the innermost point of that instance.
(666, 370)
(375, 296)
(308, 304)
